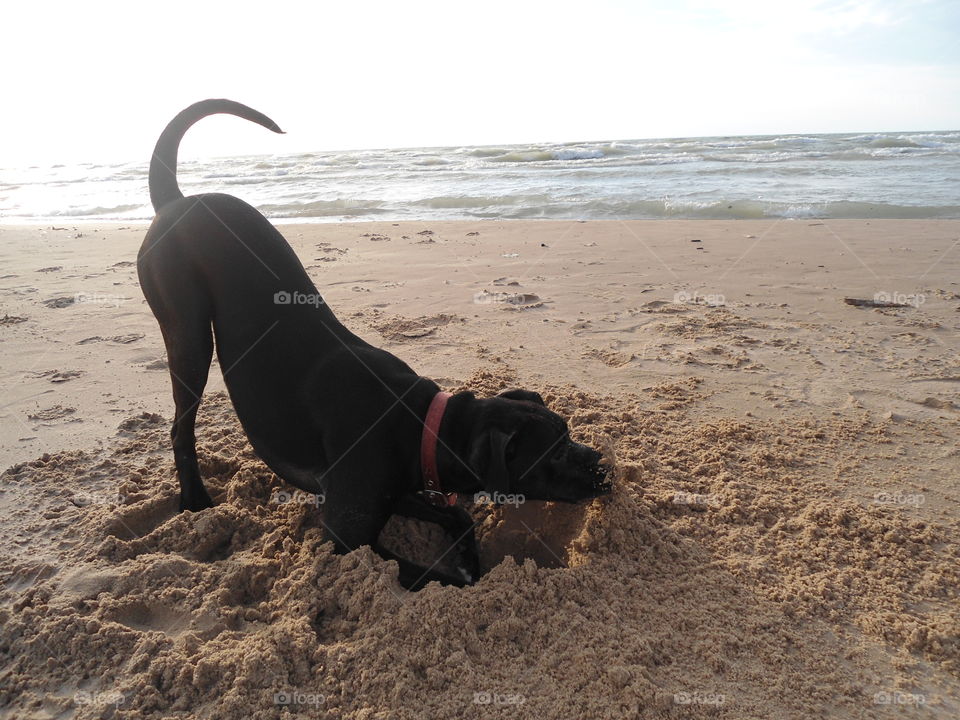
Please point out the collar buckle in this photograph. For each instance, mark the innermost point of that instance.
(439, 498)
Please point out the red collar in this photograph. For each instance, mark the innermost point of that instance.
(428, 453)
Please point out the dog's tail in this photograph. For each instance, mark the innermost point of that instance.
(163, 166)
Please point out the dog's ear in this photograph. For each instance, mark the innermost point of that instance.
(525, 395)
(489, 456)
(498, 477)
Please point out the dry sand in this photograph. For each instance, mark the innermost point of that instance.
(781, 542)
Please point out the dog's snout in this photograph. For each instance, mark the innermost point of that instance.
(601, 483)
(585, 452)
(590, 461)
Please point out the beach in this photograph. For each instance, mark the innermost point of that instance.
(781, 541)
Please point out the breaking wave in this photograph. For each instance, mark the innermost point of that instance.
(864, 175)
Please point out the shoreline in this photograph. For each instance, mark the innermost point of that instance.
(801, 214)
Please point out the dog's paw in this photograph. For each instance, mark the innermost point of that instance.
(469, 578)
(195, 503)
(469, 564)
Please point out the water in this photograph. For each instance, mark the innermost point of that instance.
(880, 175)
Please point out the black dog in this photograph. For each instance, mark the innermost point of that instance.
(325, 410)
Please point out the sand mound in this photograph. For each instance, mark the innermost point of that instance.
(725, 577)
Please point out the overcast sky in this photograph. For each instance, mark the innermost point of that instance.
(98, 80)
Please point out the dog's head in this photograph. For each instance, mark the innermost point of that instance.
(519, 447)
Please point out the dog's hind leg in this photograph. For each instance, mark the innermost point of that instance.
(189, 343)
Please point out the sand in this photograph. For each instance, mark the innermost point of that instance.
(781, 541)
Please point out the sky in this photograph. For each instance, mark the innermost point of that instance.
(97, 81)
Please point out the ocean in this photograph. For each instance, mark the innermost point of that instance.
(874, 175)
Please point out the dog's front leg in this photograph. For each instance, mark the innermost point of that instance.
(415, 577)
(355, 511)
(349, 528)
(456, 523)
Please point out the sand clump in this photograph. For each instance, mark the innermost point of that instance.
(727, 576)
(400, 329)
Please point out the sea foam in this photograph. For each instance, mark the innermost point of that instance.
(869, 175)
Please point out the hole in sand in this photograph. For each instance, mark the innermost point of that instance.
(538, 531)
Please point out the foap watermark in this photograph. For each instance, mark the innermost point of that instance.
(896, 697)
(102, 697)
(899, 498)
(499, 498)
(698, 697)
(485, 697)
(686, 297)
(515, 299)
(296, 697)
(297, 298)
(898, 298)
(83, 498)
(297, 497)
(688, 498)
(82, 298)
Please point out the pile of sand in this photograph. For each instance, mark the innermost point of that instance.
(727, 576)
